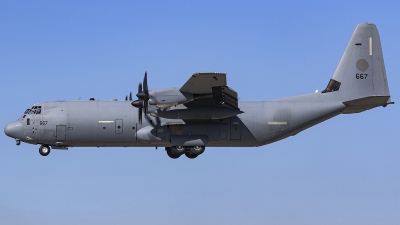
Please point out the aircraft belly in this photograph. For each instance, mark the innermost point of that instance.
(212, 131)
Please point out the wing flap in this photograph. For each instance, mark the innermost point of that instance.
(225, 95)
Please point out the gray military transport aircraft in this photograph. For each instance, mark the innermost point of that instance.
(206, 112)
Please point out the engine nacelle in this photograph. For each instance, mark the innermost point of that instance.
(164, 98)
(149, 134)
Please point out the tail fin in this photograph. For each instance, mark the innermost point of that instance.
(360, 78)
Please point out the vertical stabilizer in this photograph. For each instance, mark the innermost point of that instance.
(361, 70)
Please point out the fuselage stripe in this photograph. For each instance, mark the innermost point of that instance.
(106, 121)
(277, 123)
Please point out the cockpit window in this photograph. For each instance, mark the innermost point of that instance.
(34, 110)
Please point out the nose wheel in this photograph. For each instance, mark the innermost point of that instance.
(44, 150)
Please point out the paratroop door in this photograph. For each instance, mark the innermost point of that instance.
(61, 132)
(236, 129)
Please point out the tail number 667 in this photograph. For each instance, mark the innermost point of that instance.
(361, 76)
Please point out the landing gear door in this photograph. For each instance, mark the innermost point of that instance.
(61, 132)
(236, 129)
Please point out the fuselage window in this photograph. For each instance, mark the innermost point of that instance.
(28, 121)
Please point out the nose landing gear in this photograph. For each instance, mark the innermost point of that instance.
(44, 150)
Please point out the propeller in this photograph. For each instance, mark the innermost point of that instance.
(130, 97)
(143, 98)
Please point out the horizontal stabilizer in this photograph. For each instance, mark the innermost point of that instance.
(362, 104)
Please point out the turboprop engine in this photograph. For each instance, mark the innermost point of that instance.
(203, 96)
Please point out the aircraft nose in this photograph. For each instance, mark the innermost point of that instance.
(13, 129)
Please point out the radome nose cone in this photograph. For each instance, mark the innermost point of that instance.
(13, 129)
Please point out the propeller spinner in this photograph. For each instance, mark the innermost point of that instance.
(143, 98)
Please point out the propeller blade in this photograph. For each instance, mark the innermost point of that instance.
(140, 88)
(146, 106)
(126, 98)
(140, 115)
(145, 87)
(140, 93)
(143, 98)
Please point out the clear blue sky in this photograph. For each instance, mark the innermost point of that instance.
(343, 171)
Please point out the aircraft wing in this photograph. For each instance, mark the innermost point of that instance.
(210, 89)
(202, 83)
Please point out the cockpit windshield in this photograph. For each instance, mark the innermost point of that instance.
(34, 110)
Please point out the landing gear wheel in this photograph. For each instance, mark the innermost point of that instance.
(44, 150)
(171, 154)
(197, 150)
(190, 155)
(179, 150)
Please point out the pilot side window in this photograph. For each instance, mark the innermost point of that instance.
(34, 110)
(37, 109)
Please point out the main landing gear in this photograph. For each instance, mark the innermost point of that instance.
(44, 150)
(191, 152)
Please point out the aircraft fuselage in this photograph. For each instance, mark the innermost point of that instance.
(115, 124)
